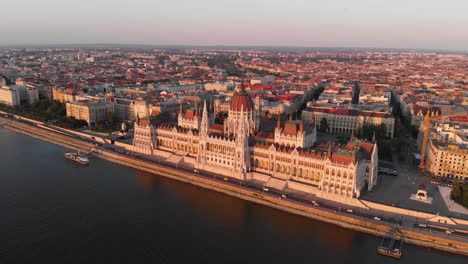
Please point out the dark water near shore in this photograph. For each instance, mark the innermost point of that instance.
(53, 211)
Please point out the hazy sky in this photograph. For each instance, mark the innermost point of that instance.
(330, 23)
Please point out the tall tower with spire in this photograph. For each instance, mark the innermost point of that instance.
(205, 123)
(203, 139)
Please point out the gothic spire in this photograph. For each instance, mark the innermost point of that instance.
(242, 84)
(204, 123)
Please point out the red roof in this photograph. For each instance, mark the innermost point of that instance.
(190, 114)
(341, 159)
(217, 128)
(460, 118)
(290, 129)
(241, 100)
(143, 122)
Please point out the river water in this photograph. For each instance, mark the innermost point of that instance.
(54, 211)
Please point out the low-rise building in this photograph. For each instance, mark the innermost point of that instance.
(447, 160)
(92, 112)
(9, 96)
(444, 148)
(347, 121)
(64, 95)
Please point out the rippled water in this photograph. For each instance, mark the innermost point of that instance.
(54, 211)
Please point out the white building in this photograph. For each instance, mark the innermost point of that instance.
(9, 96)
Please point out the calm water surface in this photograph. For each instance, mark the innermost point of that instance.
(53, 211)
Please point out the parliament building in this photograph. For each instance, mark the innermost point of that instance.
(287, 158)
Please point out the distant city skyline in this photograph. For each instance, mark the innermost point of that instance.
(339, 23)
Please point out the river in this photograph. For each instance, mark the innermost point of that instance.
(54, 211)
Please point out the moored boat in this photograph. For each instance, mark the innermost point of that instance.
(394, 253)
(77, 158)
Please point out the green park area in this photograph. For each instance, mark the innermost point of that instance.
(460, 194)
(45, 110)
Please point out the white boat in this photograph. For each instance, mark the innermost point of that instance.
(77, 158)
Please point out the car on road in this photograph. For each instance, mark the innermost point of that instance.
(349, 210)
(315, 203)
(284, 196)
(376, 218)
(195, 170)
(265, 189)
(449, 231)
(226, 179)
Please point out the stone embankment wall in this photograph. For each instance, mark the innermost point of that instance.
(47, 135)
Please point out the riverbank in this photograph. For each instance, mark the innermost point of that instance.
(67, 141)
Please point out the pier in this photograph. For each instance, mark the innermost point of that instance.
(392, 244)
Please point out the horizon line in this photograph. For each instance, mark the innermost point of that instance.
(233, 46)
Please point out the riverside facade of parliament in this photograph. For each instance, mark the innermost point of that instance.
(285, 159)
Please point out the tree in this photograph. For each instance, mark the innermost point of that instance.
(110, 118)
(460, 194)
(324, 125)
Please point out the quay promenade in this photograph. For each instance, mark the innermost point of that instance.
(252, 193)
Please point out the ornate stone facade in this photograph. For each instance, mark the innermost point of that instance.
(250, 117)
(287, 162)
(347, 121)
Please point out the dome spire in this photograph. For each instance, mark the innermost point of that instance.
(242, 88)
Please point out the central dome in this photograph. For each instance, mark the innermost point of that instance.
(241, 100)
